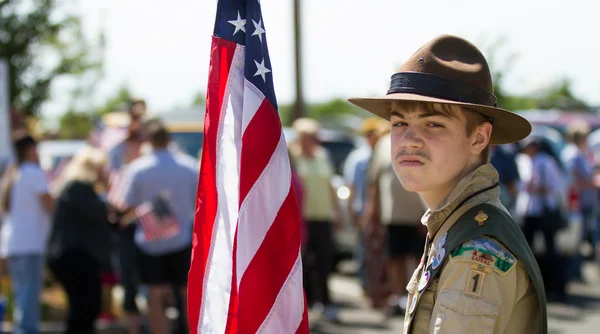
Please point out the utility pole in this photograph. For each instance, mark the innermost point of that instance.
(299, 108)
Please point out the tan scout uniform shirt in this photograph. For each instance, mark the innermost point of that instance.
(469, 296)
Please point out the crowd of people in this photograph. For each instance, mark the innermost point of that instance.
(121, 215)
(87, 227)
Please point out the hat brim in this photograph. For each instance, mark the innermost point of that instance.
(507, 127)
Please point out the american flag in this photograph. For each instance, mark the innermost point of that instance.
(106, 137)
(157, 220)
(246, 268)
(117, 186)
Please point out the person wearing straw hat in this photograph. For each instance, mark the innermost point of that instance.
(322, 213)
(477, 273)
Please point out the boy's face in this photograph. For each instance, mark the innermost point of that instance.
(430, 149)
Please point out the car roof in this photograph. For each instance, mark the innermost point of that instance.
(60, 148)
(560, 119)
(184, 119)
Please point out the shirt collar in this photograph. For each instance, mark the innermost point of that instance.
(481, 178)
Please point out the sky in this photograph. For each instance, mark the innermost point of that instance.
(350, 47)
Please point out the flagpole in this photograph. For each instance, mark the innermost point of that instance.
(299, 107)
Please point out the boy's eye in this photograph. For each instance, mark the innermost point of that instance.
(399, 123)
(434, 125)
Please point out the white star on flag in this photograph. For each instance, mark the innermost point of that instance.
(261, 69)
(240, 24)
(258, 29)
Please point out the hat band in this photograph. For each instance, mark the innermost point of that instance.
(439, 87)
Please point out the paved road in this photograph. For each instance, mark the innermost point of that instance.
(581, 315)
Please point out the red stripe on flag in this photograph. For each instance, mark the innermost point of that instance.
(304, 328)
(267, 272)
(222, 52)
(258, 145)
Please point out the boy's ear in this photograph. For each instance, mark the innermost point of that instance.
(481, 140)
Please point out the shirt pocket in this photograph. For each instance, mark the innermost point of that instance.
(460, 313)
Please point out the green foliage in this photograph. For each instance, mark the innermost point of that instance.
(331, 108)
(74, 125)
(285, 114)
(118, 101)
(558, 95)
(199, 99)
(78, 124)
(30, 28)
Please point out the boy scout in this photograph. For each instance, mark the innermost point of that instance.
(477, 273)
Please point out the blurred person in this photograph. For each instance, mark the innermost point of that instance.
(477, 273)
(300, 193)
(400, 212)
(355, 168)
(503, 158)
(26, 205)
(321, 211)
(129, 149)
(545, 192)
(119, 157)
(578, 161)
(164, 262)
(79, 245)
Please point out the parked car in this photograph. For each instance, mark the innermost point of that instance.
(186, 127)
(559, 120)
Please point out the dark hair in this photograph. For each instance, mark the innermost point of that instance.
(21, 143)
(157, 133)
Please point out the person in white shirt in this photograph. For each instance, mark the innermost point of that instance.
(546, 194)
(26, 206)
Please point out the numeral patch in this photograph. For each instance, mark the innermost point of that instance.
(475, 283)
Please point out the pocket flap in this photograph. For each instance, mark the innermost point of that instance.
(466, 305)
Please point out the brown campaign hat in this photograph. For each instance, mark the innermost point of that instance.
(449, 70)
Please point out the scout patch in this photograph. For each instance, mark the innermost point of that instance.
(424, 280)
(442, 241)
(475, 283)
(487, 252)
(482, 268)
(438, 259)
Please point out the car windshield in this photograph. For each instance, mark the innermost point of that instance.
(190, 142)
(338, 151)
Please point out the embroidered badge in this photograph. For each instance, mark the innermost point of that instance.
(481, 217)
(475, 283)
(487, 252)
(424, 280)
(442, 241)
(438, 259)
(482, 268)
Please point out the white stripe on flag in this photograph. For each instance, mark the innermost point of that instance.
(253, 98)
(259, 209)
(286, 313)
(218, 276)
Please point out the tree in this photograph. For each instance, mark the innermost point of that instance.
(78, 124)
(118, 101)
(75, 125)
(30, 28)
(199, 99)
(500, 63)
(561, 96)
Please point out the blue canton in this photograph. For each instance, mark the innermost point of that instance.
(241, 22)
